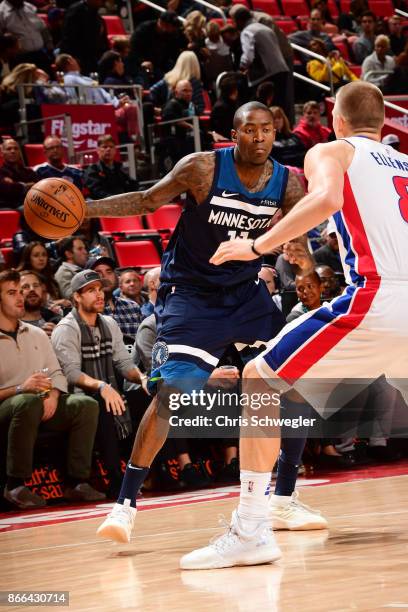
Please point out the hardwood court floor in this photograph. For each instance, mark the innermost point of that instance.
(361, 563)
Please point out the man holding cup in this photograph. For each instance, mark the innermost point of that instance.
(33, 396)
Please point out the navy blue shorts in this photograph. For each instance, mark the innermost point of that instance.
(195, 326)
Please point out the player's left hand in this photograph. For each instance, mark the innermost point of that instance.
(238, 249)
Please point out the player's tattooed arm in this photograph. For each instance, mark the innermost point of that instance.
(296, 251)
(193, 173)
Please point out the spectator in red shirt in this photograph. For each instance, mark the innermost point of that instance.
(309, 129)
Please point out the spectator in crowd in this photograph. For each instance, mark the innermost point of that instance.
(392, 140)
(187, 68)
(125, 312)
(294, 260)
(35, 296)
(55, 19)
(288, 148)
(55, 166)
(9, 49)
(125, 112)
(265, 93)
(268, 274)
(396, 83)
(180, 140)
(9, 100)
(33, 398)
(329, 282)
(398, 38)
(308, 291)
(90, 348)
(73, 78)
(328, 254)
(315, 29)
(107, 177)
(364, 45)
(15, 178)
(378, 62)
(130, 286)
(319, 70)
(309, 129)
(214, 41)
(151, 283)
(195, 32)
(168, 43)
(20, 18)
(121, 44)
(35, 257)
(223, 111)
(111, 70)
(74, 255)
(84, 33)
(262, 57)
(348, 23)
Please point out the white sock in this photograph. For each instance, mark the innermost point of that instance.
(280, 500)
(253, 500)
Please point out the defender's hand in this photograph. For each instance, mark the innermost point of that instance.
(238, 249)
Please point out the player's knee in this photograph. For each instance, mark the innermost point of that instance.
(250, 370)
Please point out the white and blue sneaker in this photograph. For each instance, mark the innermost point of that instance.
(119, 523)
(290, 513)
(235, 547)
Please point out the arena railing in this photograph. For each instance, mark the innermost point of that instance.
(80, 97)
(211, 6)
(154, 6)
(22, 131)
(154, 140)
(126, 152)
(323, 59)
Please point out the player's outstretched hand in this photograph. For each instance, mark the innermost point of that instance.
(237, 249)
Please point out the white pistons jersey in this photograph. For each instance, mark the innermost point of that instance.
(372, 226)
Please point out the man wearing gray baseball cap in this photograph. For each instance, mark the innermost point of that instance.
(89, 346)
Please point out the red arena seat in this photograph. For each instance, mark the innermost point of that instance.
(140, 253)
(270, 7)
(114, 25)
(165, 218)
(121, 224)
(34, 154)
(9, 224)
(294, 8)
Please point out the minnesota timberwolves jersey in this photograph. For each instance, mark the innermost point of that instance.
(230, 211)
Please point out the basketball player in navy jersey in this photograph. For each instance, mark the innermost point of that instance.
(201, 308)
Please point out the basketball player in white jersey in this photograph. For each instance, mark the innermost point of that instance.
(362, 334)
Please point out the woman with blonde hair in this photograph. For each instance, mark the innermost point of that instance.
(9, 102)
(22, 73)
(186, 68)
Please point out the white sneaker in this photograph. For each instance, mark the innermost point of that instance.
(119, 523)
(235, 547)
(294, 515)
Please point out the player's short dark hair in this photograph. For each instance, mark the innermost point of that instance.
(361, 105)
(247, 108)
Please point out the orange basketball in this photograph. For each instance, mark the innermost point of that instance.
(54, 208)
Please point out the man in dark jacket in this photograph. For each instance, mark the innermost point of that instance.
(15, 178)
(107, 177)
(159, 42)
(84, 34)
